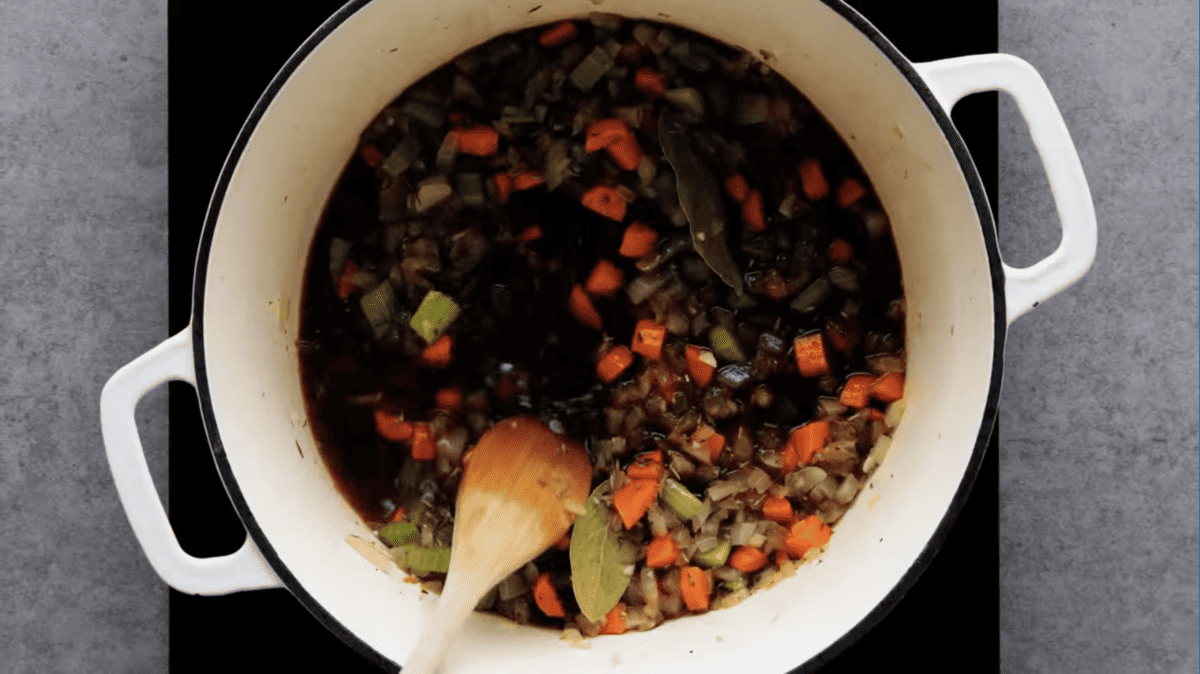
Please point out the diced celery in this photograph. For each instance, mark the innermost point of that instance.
(725, 345)
(422, 561)
(591, 69)
(379, 306)
(436, 313)
(680, 499)
(398, 533)
(713, 558)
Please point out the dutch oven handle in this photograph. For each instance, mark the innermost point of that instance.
(243, 570)
(952, 79)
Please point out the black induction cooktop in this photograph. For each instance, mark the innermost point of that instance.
(221, 58)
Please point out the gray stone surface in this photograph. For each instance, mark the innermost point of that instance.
(1099, 412)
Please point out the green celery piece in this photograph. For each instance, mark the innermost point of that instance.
(422, 561)
(379, 306)
(436, 313)
(680, 499)
(398, 533)
(591, 69)
(713, 558)
(725, 345)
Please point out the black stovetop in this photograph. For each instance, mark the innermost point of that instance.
(220, 60)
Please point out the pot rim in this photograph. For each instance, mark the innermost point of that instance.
(919, 564)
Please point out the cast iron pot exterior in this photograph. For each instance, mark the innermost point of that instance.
(239, 350)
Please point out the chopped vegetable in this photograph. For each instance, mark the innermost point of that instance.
(710, 441)
(606, 201)
(701, 364)
(602, 133)
(809, 439)
(808, 298)
(648, 338)
(401, 158)
(614, 620)
(680, 499)
(650, 81)
(737, 187)
(345, 284)
(725, 345)
(399, 533)
(546, 596)
(686, 98)
(503, 183)
(889, 387)
(605, 279)
(638, 241)
(840, 251)
(808, 533)
(714, 557)
(812, 179)
(558, 34)
(379, 306)
(528, 179)
(371, 155)
(752, 212)
(695, 587)
(434, 315)
(849, 192)
(856, 392)
(646, 466)
(424, 561)
(591, 69)
(423, 448)
(626, 153)
(392, 427)
(339, 252)
(449, 398)
(583, 309)
(438, 354)
(747, 559)
(430, 193)
(481, 141)
(661, 552)
(810, 355)
(530, 233)
(634, 499)
(778, 510)
(613, 363)
(470, 188)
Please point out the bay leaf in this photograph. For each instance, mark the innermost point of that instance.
(599, 557)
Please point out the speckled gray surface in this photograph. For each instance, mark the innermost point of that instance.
(1099, 412)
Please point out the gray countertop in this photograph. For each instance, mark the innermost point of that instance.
(1098, 464)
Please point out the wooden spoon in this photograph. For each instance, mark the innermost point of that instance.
(521, 487)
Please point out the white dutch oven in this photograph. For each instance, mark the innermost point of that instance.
(239, 349)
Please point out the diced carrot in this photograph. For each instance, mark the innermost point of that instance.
(662, 552)
(626, 152)
(530, 233)
(777, 509)
(648, 338)
(613, 363)
(646, 466)
(876, 415)
(605, 279)
(841, 338)
(371, 155)
(781, 557)
(481, 141)
(563, 543)
(856, 392)
(775, 287)
(438, 354)
(398, 515)
(701, 364)
(812, 179)
(423, 448)
(840, 251)
(449, 398)
(634, 499)
(712, 441)
(695, 588)
(889, 387)
(547, 597)
(606, 201)
(747, 559)
(614, 620)
(809, 532)
(603, 133)
(583, 309)
(504, 184)
(789, 459)
(809, 439)
(810, 355)
(849, 192)
(392, 427)
(737, 187)
(527, 179)
(345, 284)
(650, 81)
(558, 34)
(752, 212)
(638, 241)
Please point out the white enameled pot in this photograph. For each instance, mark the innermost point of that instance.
(239, 349)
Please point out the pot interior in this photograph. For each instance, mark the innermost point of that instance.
(256, 246)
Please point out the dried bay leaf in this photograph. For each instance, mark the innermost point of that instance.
(599, 558)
